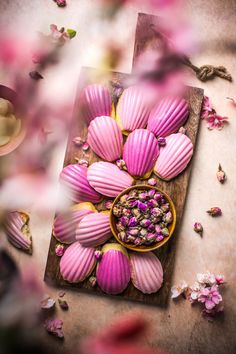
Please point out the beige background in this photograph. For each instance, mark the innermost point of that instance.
(179, 328)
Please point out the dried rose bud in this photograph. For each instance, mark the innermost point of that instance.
(133, 203)
(82, 162)
(60, 3)
(143, 232)
(151, 227)
(143, 196)
(122, 236)
(165, 207)
(120, 227)
(93, 281)
(159, 238)
(152, 203)
(98, 255)
(138, 241)
(142, 206)
(158, 197)
(215, 211)
(130, 238)
(85, 147)
(197, 227)
(121, 164)
(168, 217)
(133, 232)
(59, 249)
(221, 176)
(117, 210)
(63, 304)
(152, 182)
(78, 141)
(151, 193)
(161, 141)
(47, 303)
(182, 130)
(165, 232)
(133, 194)
(133, 222)
(124, 198)
(157, 229)
(108, 204)
(136, 212)
(125, 221)
(156, 212)
(145, 223)
(151, 238)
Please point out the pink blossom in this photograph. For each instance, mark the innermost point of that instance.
(206, 108)
(216, 121)
(210, 296)
(220, 279)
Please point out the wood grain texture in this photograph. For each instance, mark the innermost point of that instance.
(177, 188)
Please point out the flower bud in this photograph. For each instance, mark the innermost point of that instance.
(215, 211)
(221, 176)
(198, 228)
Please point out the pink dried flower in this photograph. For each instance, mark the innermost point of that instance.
(98, 255)
(220, 279)
(59, 250)
(54, 327)
(47, 303)
(93, 281)
(182, 130)
(216, 121)
(152, 181)
(85, 147)
(198, 228)
(214, 211)
(221, 176)
(210, 296)
(108, 204)
(161, 141)
(59, 36)
(121, 164)
(60, 3)
(63, 304)
(78, 141)
(206, 108)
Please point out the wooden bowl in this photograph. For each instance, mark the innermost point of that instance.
(142, 248)
(10, 95)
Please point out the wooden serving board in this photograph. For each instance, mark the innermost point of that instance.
(176, 189)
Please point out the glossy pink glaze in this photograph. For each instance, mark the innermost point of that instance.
(77, 263)
(105, 138)
(168, 116)
(95, 101)
(74, 178)
(146, 272)
(94, 230)
(140, 152)
(107, 179)
(174, 157)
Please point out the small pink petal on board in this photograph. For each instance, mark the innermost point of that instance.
(47, 303)
(54, 327)
(61, 293)
(215, 121)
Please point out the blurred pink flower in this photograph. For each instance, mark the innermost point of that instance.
(216, 121)
(206, 108)
(59, 36)
(54, 327)
(210, 296)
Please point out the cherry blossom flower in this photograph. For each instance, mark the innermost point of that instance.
(210, 296)
(179, 289)
(216, 121)
(206, 108)
(206, 278)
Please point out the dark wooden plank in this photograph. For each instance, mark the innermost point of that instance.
(177, 188)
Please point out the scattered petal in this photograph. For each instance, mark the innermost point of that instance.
(63, 304)
(221, 176)
(215, 211)
(216, 121)
(179, 290)
(206, 108)
(121, 164)
(152, 181)
(54, 327)
(47, 302)
(61, 293)
(60, 3)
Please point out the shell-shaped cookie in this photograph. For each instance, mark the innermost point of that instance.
(168, 116)
(113, 271)
(107, 179)
(74, 178)
(146, 272)
(133, 108)
(16, 226)
(65, 224)
(95, 101)
(94, 229)
(140, 152)
(174, 157)
(77, 263)
(105, 138)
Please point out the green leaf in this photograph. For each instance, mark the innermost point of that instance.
(71, 32)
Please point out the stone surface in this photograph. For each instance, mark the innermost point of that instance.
(179, 328)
